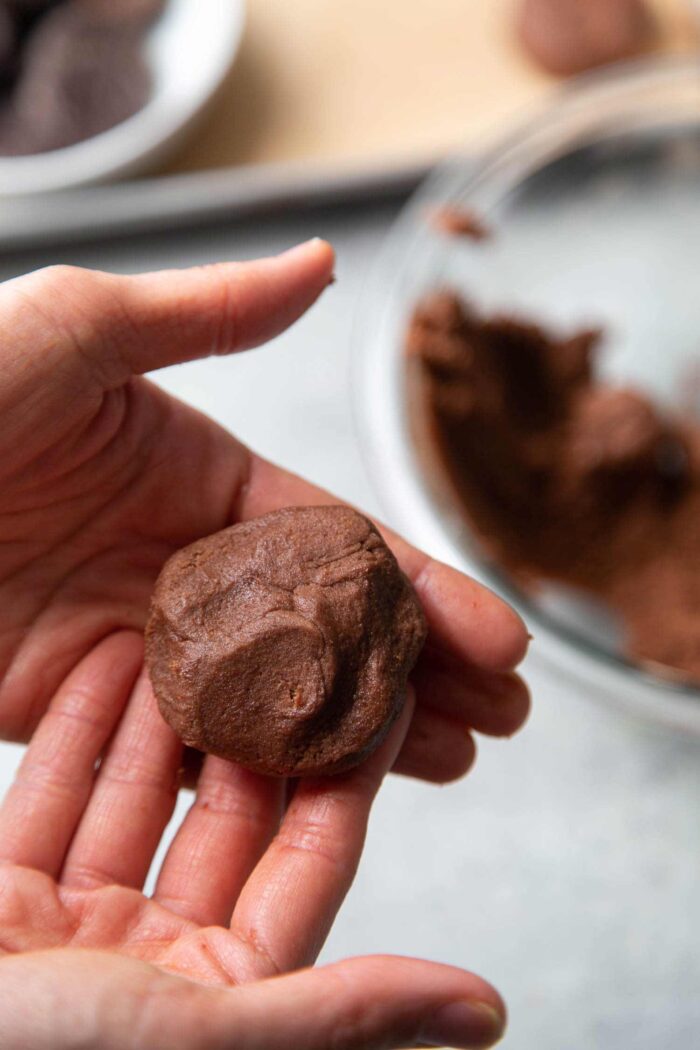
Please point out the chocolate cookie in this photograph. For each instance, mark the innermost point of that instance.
(571, 36)
(284, 643)
(78, 79)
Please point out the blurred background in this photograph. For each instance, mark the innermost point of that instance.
(139, 134)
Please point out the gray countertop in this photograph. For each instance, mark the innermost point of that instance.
(565, 868)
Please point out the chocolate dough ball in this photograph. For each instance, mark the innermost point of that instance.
(284, 643)
(78, 79)
(571, 36)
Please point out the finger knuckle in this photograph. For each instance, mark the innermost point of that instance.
(60, 277)
(357, 1030)
(123, 770)
(321, 843)
(225, 317)
(86, 876)
(81, 313)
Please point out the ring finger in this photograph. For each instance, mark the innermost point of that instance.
(132, 800)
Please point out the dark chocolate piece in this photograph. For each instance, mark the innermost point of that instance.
(284, 643)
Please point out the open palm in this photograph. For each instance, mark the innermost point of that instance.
(103, 476)
(247, 892)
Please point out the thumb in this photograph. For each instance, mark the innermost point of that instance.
(62, 999)
(127, 325)
(373, 1003)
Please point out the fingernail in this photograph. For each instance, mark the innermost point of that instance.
(467, 1025)
(310, 250)
(304, 246)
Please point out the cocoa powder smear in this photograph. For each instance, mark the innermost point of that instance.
(563, 477)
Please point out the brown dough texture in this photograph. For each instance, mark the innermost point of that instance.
(562, 476)
(284, 643)
(570, 36)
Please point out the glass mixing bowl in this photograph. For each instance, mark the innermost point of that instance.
(596, 208)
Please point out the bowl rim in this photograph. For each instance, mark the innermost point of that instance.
(390, 456)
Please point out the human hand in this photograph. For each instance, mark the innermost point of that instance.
(247, 892)
(103, 476)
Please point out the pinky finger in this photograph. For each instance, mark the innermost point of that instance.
(437, 748)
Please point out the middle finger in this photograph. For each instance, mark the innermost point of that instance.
(290, 901)
(234, 816)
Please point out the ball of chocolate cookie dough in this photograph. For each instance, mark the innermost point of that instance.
(78, 79)
(571, 36)
(284, 643)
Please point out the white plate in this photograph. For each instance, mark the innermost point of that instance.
(191, 49)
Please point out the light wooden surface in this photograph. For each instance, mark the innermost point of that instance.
(366, 83)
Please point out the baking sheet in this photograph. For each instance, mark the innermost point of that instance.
(377, 84)
(190, 199)
(326, 102)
